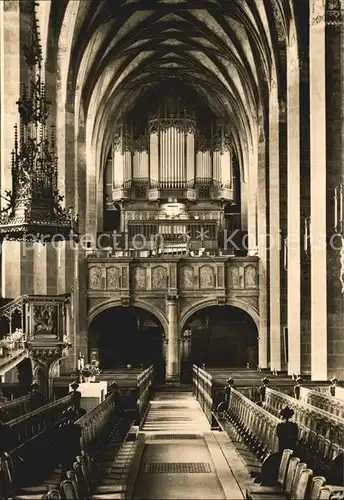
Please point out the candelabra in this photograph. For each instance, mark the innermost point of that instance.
(33, 208)
(80, 366)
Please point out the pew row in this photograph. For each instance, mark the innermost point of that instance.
(295, 481)
(321, 434)
(28, 425)
(323, 401)
(17, 407)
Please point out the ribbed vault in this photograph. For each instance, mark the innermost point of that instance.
(225, 52)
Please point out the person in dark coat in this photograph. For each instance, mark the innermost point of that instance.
(297, 387)
(262, 389)
(334, 382)
(224, 405)
(287, 431)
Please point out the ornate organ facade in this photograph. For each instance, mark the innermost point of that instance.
(170, 173)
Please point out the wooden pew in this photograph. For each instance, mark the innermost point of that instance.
(321, 434)
(26, 426)
(323, 401)
(15, 408)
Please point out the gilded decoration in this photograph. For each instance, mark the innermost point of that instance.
(233, 277)
(206, 277)
(159, 278)
(250, 277)
(187, 278)
(139, 278)
(45, 320)
(112, 278)
(95, 278)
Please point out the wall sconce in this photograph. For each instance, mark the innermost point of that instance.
(307, 238)
(338, 210)
(285, 254)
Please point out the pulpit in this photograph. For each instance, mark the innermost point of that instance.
(92, 393)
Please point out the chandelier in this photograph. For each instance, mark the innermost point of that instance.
(34, 210)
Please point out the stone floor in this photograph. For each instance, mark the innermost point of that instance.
(183, 458)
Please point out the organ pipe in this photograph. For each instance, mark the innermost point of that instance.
(154, 159)
(190, 166)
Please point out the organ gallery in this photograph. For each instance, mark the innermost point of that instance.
(169, 166)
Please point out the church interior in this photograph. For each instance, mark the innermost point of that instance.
(172, 249)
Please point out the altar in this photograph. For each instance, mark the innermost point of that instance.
(92, 393)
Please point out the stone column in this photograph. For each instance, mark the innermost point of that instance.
(262, 248)
(274, 230)
(172, 358)
(293, 234)
(326, 128)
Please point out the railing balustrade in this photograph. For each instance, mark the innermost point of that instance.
(323, 401)
(202, 383)
(315, 419)
(94, 422)
(144, 392)
(257, 421)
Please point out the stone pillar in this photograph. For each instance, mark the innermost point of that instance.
(326, 128)
(274, 230)
(318, 191)
(172, 358)
(293, 248)
(262, 249)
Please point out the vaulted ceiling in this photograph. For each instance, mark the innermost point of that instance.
(223, 51)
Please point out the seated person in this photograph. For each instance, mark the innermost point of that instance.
(287, 432)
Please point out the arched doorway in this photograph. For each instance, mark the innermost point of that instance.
(127, 335)
(220, 336)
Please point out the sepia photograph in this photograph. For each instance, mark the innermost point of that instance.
(172, 249)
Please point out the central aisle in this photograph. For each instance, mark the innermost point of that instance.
(178, 459)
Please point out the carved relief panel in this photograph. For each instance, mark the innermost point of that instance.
(95, 282)
(159, 278)
(45, 319)
(233, 277)
(206, 277)
(139, 278)
(186, 278)
(250, 274)
(112, 278)
(125, 273)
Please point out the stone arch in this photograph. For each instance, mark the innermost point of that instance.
(142, 304)
(240, 304)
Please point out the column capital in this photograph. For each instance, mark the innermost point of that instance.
(172, 298)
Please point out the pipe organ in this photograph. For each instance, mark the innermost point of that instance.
(172, 153)
(172, 175)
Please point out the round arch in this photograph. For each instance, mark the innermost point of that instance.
(142, 304)
(240, 304)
